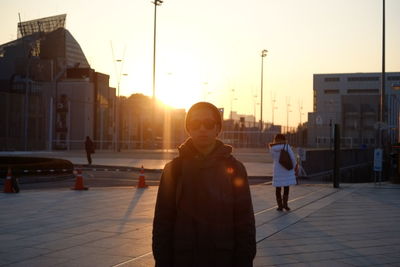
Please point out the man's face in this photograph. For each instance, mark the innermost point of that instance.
(203, 128)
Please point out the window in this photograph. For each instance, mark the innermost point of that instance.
(331, 91)
(363, 79)
(363, 91)
(331, 79)
(393, 78)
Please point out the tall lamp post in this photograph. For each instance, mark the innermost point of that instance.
(117, 111)
(255, 104)
(156, 3)
(287, 114)
(263, 55)
(382, 91)
(379, 152)
(273, 101)
(232, 99)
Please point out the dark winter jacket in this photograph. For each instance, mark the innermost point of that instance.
(89, 146)
(204, 214)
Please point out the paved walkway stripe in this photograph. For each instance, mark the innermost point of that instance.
(134, 259)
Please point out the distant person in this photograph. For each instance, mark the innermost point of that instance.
(282, 177)
(89, 147)
(204, 213)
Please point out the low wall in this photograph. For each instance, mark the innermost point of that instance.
(355, 165)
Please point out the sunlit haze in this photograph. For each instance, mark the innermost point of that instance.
(210, 50)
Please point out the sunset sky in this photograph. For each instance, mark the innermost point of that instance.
(210, 49)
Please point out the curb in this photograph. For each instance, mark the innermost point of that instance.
(134, 169)
(114, 168)
(41, 179)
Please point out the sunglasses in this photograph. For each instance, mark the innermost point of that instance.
(196, 124)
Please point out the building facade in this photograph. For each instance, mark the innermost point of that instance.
(352, 100)
(50, 98)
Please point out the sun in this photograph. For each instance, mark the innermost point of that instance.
(179, 90)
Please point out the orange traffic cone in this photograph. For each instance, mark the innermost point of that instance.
(142, 180)
(79, 181)
(8, 182)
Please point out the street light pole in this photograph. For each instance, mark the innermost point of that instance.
(273, 100)
(287, 114)
(232, 98)
(382, 95)
(263, 54)
(255, 104)
(117, 108)
(381, 142)
(156, 3)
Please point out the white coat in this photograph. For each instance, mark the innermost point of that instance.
(282, 176)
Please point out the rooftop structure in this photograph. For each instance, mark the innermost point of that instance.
(42, 25)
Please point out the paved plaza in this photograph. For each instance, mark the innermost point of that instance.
(356, 225)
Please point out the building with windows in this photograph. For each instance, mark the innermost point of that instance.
(352, 100)
(50, 98)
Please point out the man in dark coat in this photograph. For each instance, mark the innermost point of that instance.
(204, 214)
(89, 147)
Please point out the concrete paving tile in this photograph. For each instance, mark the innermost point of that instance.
(374, 250)
(266, 244)
(128, 250)
(328, 263)
(386, 259)
(146, 261)
(92, 236)
(383, 234)
(367, 261)
(32, 231)
(48, 237)
(8, 237)
(65, 243)
(372, 243)
(320, 247)
(3, 259)
(17, 255)
(98, 260)
(297, 264)
(138, 234)
(79, 229)
(298, 242)
(17, 244)
(273, 261)
(120, 228)
(40, 261)
(144, 241)
(75, 252)
(277, 251)
(393, 255)
(318, 256)
(109, 242)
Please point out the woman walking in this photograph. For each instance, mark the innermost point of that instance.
(282, 177)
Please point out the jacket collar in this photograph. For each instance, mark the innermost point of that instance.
(188, 150)
(277, 143)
